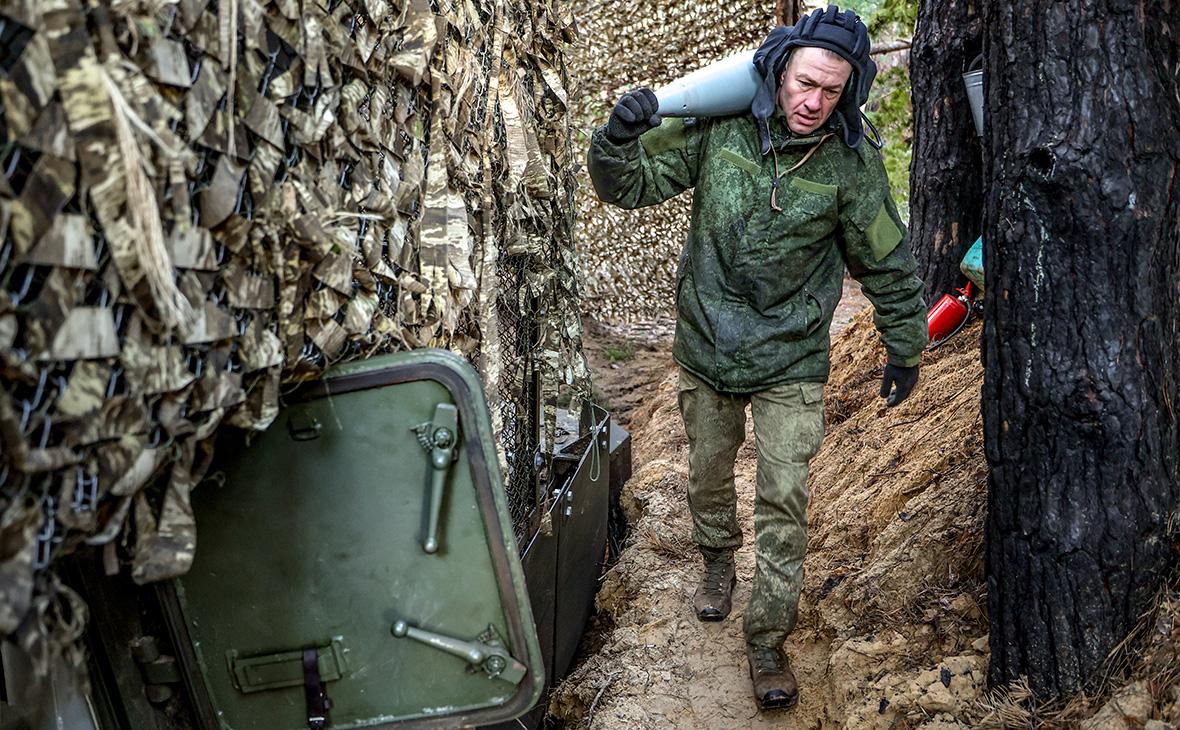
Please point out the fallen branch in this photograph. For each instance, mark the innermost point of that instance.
(891, 47)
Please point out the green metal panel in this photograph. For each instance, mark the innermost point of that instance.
(318, 537)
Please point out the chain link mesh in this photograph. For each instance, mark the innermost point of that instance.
(516, 399)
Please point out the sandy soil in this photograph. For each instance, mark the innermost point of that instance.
(892, 629)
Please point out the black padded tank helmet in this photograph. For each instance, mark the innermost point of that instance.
(841, 32)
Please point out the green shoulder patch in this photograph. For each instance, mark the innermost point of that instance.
(883, 234)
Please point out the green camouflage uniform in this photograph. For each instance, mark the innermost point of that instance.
(756, 289)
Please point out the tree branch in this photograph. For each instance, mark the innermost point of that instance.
(891, 47)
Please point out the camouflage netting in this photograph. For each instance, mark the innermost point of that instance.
(202, 202)
(628, 258)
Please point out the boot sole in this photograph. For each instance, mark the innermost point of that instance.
(779, 703)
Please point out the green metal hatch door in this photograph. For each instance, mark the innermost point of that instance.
(357, 567)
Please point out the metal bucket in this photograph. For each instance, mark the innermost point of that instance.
(972, 263)
(973, 80)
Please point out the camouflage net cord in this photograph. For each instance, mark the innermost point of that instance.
(204, 202)
(628, 258)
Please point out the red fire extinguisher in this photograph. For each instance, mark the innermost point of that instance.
(949, 315)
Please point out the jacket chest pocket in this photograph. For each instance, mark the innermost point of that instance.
(736, 159)
(808, 218)
(734, 174)
(809, 205)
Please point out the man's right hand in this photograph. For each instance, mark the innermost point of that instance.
(898, 383)
(633, 115)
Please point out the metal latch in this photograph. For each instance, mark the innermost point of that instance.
(439, 438)
(486, 652)
(285, 668)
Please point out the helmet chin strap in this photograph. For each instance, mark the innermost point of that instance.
(874, 140)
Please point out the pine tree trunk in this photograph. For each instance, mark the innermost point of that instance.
(946, 176)
(786, 12)
(1081, 335)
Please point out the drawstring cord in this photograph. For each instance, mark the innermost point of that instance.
(779, 176)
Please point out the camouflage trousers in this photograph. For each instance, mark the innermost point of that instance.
(788, 429)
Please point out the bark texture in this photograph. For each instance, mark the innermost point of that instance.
(786, 12)
(1081, 331)
(946, 176)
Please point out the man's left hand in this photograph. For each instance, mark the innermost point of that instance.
(903, 378)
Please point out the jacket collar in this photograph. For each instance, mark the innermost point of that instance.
(781, 135)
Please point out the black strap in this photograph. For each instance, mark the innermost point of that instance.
(314, 692)
(876, 139)
(3, 682)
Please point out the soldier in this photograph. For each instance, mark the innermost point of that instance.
(784, 198)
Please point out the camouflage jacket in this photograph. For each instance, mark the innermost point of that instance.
(756, 287)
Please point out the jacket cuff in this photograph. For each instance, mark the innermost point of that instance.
(628, 150)
(902, 361)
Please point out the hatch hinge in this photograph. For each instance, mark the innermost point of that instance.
(159, 670)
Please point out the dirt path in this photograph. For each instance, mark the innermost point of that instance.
(882, 604)
(892, 625)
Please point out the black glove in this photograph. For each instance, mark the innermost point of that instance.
(903, 378)
(633, 115)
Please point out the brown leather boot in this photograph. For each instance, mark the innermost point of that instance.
(713, 597)
(774, 682)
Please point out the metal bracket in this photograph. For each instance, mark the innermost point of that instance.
(566, 496)
(485, 652)
(440, 439)
(303, 426)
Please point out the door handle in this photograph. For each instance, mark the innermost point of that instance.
(440, 438)
(485, 652)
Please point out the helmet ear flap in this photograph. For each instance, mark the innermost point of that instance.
(858, 46)
(783, 63)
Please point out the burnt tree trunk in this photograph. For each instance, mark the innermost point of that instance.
(946, 175)
(786, 12)
(1081, 335)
